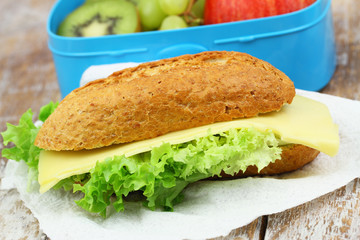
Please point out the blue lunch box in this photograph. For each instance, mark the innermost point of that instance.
(301, 44)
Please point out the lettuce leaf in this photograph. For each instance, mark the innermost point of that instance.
(160, 175)
(23, 137)
(47, 110)
(165, 171)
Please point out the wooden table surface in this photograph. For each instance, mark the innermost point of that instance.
(28, 80)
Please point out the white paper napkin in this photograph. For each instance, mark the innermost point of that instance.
(101, 71)
(210, 208)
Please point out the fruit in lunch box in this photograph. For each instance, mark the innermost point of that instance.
(173, 7)
(173, 22)
(151, 15)
(220, 11)
(194, 14)
(135, 2)
(98, 18)
(198, 8)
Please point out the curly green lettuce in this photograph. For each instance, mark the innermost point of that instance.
(160, 175)
(23, 136)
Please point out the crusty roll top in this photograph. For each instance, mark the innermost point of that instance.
(165, 96)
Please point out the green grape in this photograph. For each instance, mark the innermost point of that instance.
(173, 22)
(91, 1)
(151, 15)
(135, 2)
(173, 7)
(198, 8)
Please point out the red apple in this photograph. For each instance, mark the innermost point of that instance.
(220, 11)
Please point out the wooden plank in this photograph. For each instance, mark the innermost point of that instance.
(335, 215)
(346, 80)
(27, 75)
(254, 230)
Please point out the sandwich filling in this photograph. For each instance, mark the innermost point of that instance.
(162, 167)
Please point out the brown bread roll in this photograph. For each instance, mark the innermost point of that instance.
(159, 97)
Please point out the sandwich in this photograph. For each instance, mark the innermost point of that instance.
(153, 129)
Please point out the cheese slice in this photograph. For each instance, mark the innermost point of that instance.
(305, 122)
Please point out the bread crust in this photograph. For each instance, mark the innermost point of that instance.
(293, 157)
(155, 98)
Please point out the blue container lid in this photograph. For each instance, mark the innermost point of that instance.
(247, 30)
(300, 43)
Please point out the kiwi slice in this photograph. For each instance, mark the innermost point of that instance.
(99, 18)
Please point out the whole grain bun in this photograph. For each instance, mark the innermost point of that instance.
(164, 96)
(293, 157)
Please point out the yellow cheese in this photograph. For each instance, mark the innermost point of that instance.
(305, 122)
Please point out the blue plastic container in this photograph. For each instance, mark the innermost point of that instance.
(300, 43)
